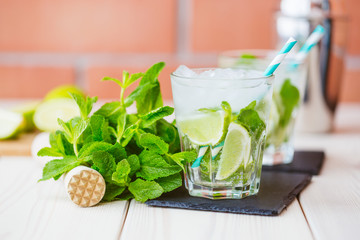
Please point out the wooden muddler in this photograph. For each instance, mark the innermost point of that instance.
(85, 186)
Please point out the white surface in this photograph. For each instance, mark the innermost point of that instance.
(144, 222)
(31, 210)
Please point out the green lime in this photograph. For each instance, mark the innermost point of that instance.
(11, 124)
(236, 151)
(63, 92)
(204, 128)
(47, 113)
(27, 110)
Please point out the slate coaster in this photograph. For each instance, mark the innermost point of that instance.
(304, 162)
(277, 191)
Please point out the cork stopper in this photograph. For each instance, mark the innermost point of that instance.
(85, 186)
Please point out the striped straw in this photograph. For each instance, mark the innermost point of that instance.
(280, 57)
(312, 40)
(215, 151)
(202, 150)
(201, 154)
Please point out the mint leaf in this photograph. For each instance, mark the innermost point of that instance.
(51, 152)
(98, 127)
(118, 152)
(105, 162)
(251, 105)
(170, 183)
(169, 134)
(155, 115)
(153, 143)
(130, 80)
(138, 92)
(121, 124)
(112, 191)
(128, 134)
(134, 163)
(150, 99)
(57, 167)
(183, 157)
(209, 110)
(290, 97)
(111, 111)
(85, 105)
(73, 128)
(228, 116)
(89, 148)
(121, 175)
(144, 190)
(117, 81)
(153, 166)
(56, 142)
(251, 120)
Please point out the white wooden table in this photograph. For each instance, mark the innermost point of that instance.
(329, 208)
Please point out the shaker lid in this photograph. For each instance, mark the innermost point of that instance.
(312, 9)
(304, 8)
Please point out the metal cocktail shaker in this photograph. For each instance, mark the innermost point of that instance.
(298, 18)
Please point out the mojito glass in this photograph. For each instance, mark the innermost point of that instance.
(287, 96)
(221, 115)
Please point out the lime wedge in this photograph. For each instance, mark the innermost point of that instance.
(11, 124)
(47, 113)
(235, 152)
(63, 92)
(203, 128)
(27, 110)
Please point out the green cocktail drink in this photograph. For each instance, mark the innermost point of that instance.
(221, 115)
(287, 95)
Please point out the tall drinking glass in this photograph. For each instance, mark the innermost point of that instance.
(221, 114)
(287, 97)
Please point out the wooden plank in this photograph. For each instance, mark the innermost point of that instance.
(31, 210)
(20, 146)
(144, 222)
(331, 202)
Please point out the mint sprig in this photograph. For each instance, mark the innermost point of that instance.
(137, 154)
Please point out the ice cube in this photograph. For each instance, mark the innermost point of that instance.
(207, 74)
(184, 71)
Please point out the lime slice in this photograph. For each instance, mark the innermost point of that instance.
(11, 124)
(47, 113)
(235, 152)
(203, 128)
(27, 110)
(63, 92)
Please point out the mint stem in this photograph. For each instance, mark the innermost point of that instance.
(122, 96)
(75, 148)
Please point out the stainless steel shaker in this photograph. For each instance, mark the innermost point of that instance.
(298, 18)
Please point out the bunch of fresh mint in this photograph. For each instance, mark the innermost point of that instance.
(137, 154)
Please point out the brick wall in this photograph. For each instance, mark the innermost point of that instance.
(47, 43)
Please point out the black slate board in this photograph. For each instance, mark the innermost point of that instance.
(304, 162)
(277, 191)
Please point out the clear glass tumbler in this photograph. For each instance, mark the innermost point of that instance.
(287, 97)
(222, 117)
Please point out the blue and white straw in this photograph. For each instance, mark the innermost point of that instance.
(202, 150)
(312, 40)
(280, 57)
